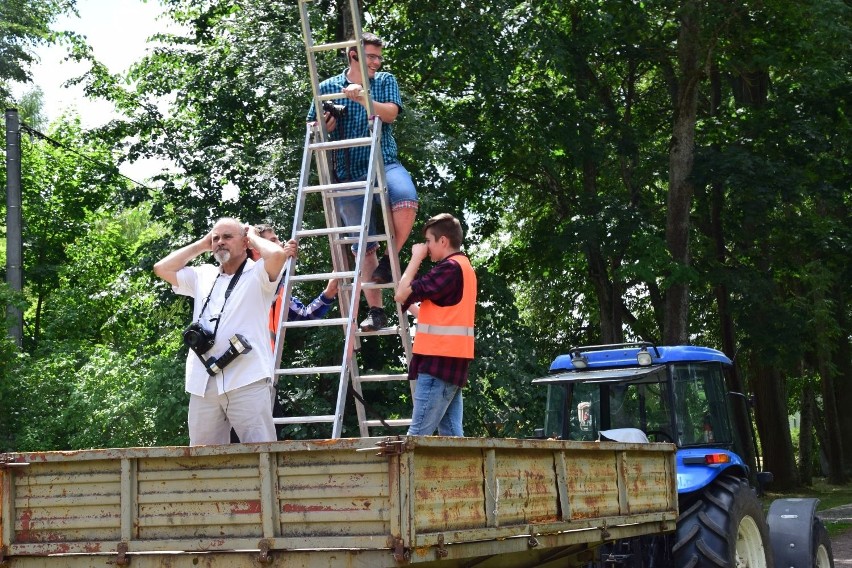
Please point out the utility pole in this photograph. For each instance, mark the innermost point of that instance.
(14, 222)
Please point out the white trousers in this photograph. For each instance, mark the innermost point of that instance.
(248, 409)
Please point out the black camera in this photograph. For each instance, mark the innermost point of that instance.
(337, 111)
(239, 345)
(198, 339)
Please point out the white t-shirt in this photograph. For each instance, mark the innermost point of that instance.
(246, 313)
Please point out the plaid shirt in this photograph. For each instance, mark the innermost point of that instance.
(352, 163)
(442, 285)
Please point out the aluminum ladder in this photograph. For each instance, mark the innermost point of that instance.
(318, 147)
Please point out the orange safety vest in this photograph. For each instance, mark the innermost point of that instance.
(447, 331)
(273, 316)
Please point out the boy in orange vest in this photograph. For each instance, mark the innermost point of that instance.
(443, 344)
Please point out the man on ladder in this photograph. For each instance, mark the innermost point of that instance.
(350, 120)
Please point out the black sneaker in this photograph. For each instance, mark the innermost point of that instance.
(376, 320)
(382, 274)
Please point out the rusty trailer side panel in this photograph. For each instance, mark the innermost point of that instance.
(380, 502)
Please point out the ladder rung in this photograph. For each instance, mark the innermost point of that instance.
(335, 186)
(303, 419)
(358, 192)
(394, 422)
(309, 370)
(328, 231)
(340, 144)
(333, 46)
(383, 378)
(322, 276)
(394, 330)
(374, 286)
(322, 322)
(353, 240)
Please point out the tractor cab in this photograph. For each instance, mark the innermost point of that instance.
(672, 394)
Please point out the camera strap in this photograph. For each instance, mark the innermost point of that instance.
(228, 291)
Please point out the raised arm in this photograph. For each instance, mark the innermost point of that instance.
(273, 254)
(168, 267)
(418, 253)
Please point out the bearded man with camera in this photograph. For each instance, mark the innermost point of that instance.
(229, 362)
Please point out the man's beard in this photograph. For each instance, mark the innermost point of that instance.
(222, 256)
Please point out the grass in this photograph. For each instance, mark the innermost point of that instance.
(829, 496)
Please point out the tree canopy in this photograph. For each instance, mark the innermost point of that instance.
(665, 171)
(25, 24)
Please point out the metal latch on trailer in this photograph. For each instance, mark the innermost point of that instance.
(7, 462)
(387, 447)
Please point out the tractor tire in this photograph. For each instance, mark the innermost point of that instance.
(723, 527)
(823, 556)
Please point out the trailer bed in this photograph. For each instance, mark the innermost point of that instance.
(344, 502)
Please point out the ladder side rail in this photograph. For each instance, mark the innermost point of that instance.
(310, 54)
(375, 175)
(403, 329)
(340, 263)
(396, 268)
(355, 12)
(339, 252)
(393, 255)
(349, 372)
(290, 266)
(351, 335)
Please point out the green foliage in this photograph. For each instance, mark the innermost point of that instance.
(237, 116)
(102, 373)
(23, 25)
(92, 396)
(63, 184)
(545, 125)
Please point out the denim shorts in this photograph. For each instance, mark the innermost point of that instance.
(401, 193)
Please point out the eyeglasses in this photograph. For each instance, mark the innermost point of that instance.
(375, 58)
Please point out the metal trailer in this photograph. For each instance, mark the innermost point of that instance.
(371, 502)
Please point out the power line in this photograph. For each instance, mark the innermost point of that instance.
(56, 143)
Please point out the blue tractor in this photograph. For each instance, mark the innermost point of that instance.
(638, 392)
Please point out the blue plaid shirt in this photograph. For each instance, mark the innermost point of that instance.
(352, 163)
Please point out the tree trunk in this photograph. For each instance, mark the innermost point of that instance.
(806, 436)
(714, 229)
(833, 449)
(771, 416)
(608, 294)
(681, 159)
(842, 358)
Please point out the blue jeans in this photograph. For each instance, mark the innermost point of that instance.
(437, 405)
(401, 193)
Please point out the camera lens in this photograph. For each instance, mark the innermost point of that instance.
(191, 337)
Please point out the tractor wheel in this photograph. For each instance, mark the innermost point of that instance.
(823, 557)
(723, 527)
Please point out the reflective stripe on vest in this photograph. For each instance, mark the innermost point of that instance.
(444, 329)
(447, 331)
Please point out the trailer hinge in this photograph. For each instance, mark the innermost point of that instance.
(121, 558)
(7, 461)
(264, 557)
(605, 534)
(442, 550)
(391, 447)
(3, 561)
(400, 553)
